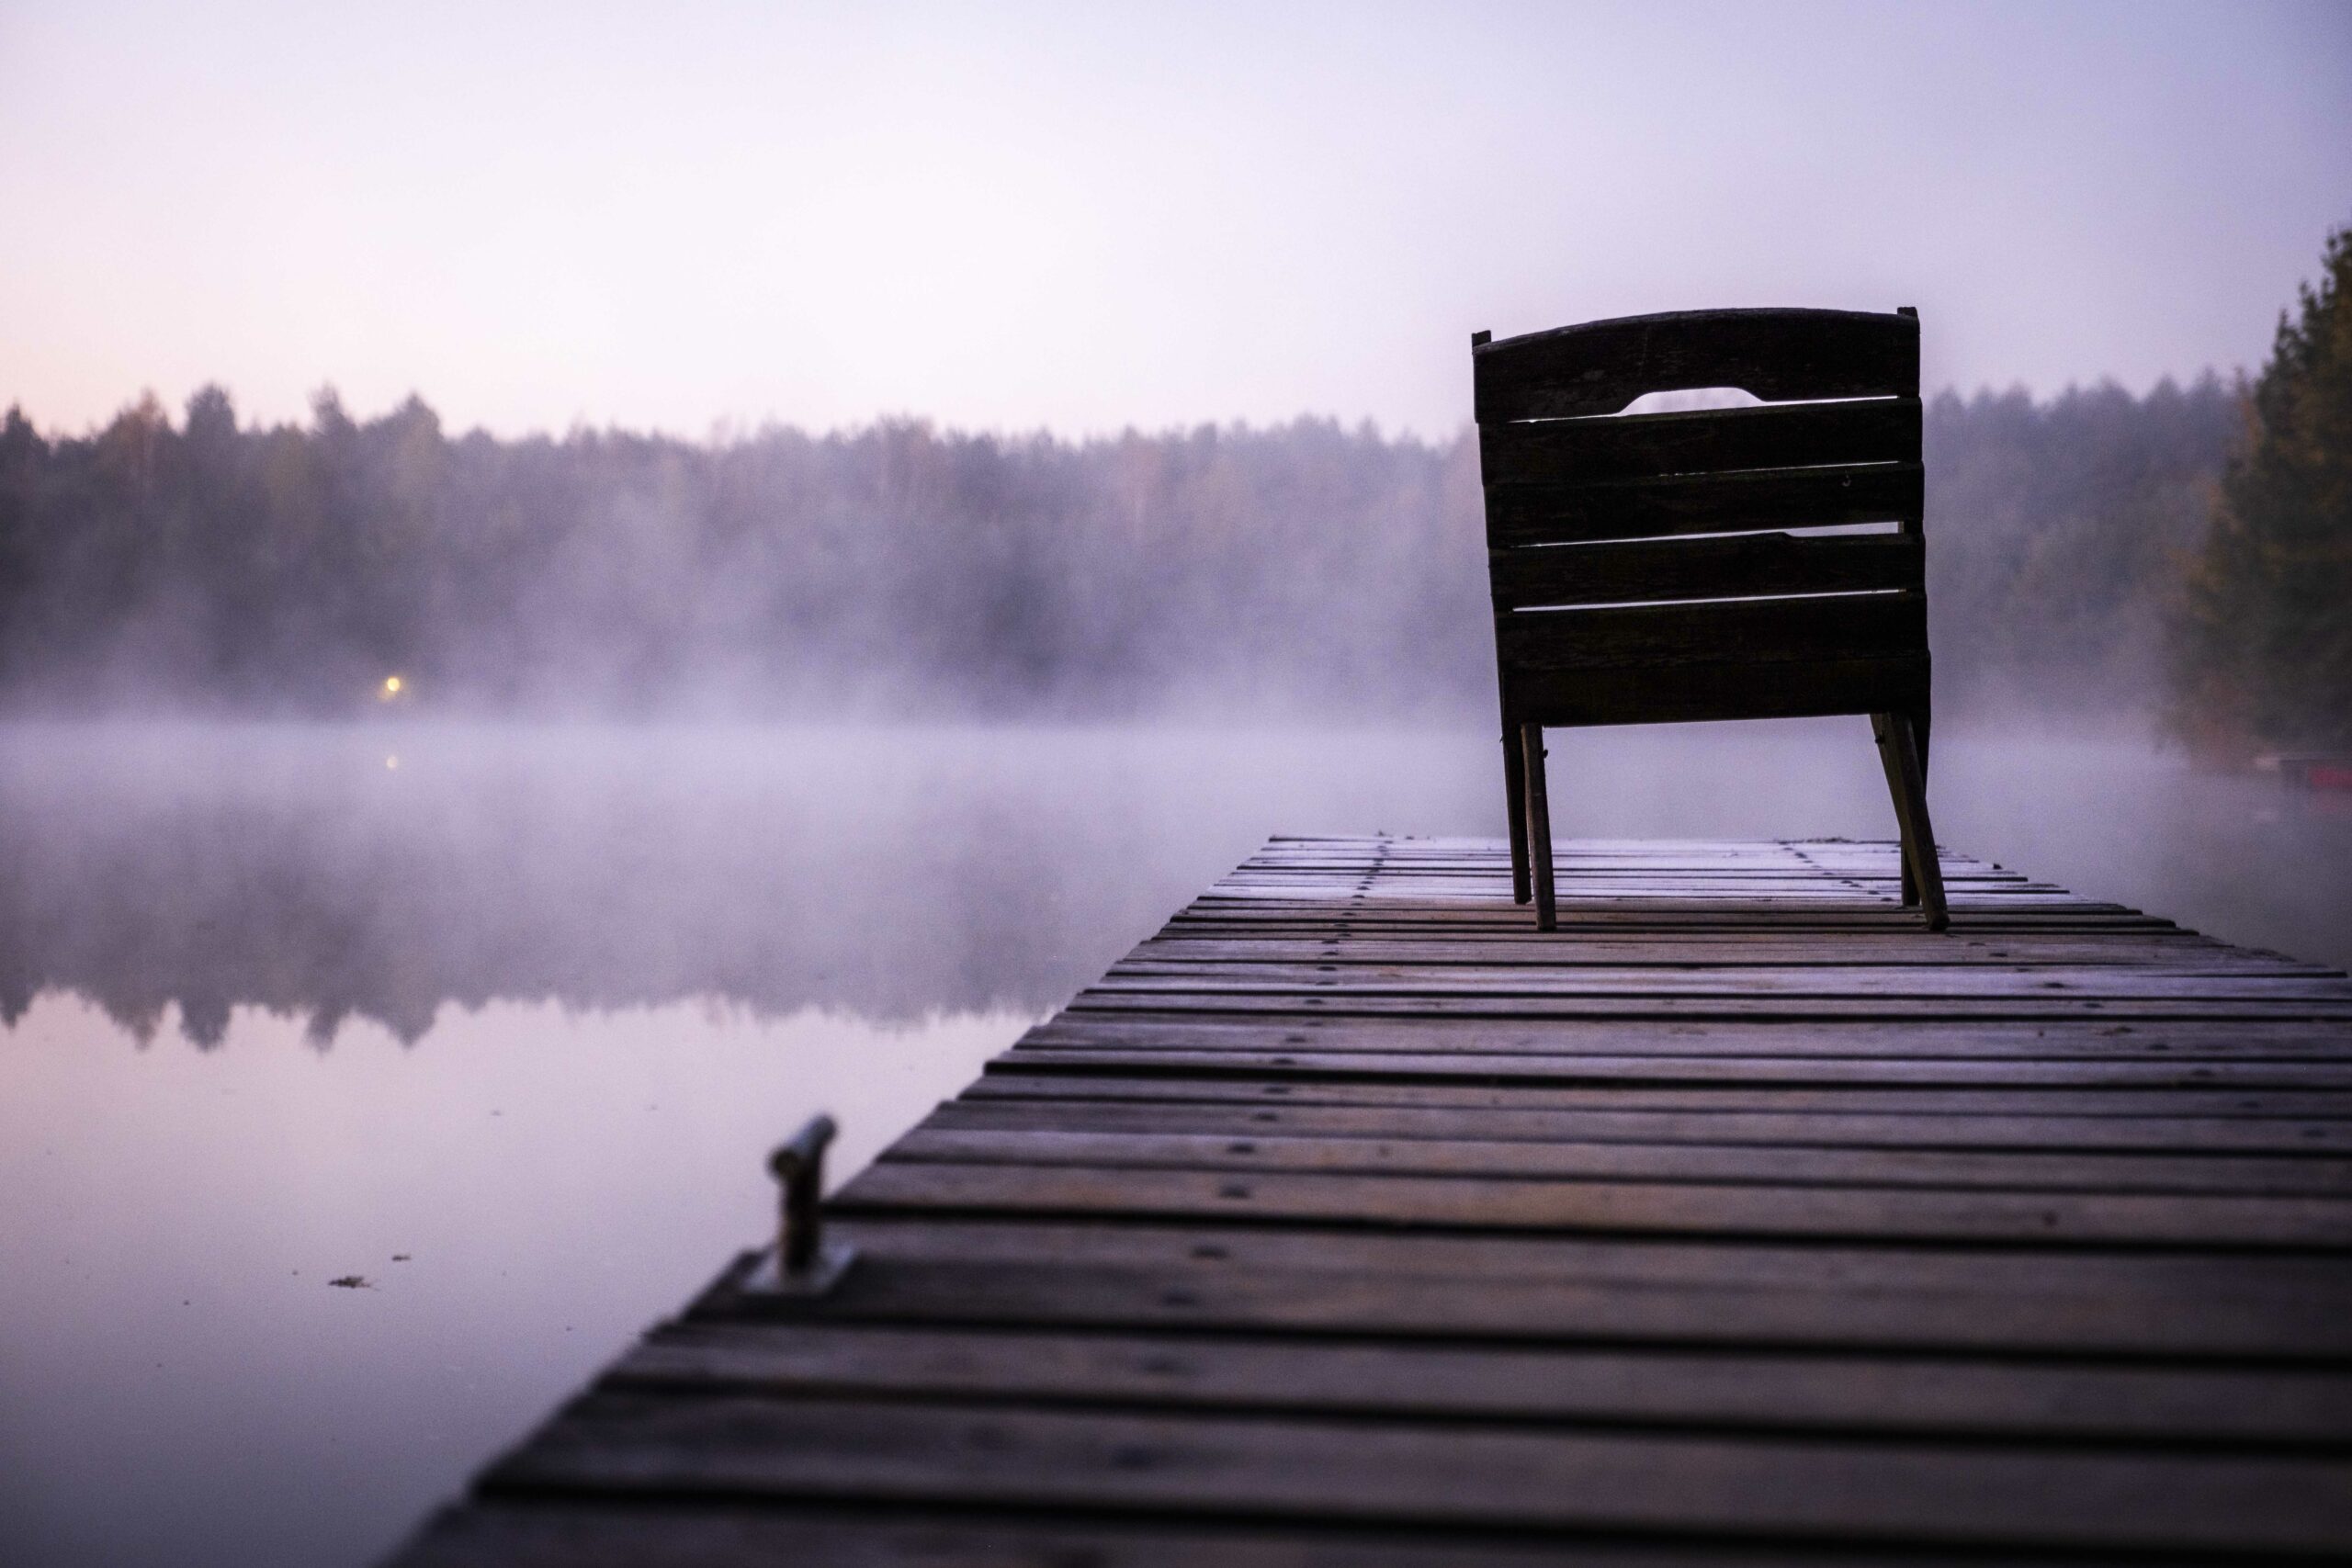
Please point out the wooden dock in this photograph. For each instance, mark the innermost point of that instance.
(1348, 1221)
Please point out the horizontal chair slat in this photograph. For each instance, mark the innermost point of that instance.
(1747, 632)
(1754, 501)
(1699, 693)
(1600, 367)
(1740, 566)
(1627, 446)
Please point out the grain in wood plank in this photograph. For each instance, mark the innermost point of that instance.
(1470, 1160)
(978, 1271)
(2184, 1041)
(1312, 1060)
(2030, 1007)
(573, 1533)
(1746, 1390)
(1922, 982)
(1752, 501)
(2279, 1137)
(1702, 441)
(1751, 1208)
(1393, 1471)
(1132, 1085)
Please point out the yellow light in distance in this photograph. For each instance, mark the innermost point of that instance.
(392, 685)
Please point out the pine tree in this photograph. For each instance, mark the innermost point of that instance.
(2263, 649)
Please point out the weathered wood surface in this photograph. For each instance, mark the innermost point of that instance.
(1737, 1221)
(1765, 631)
(1523, 515)
(1646, 570)
(1579, 451)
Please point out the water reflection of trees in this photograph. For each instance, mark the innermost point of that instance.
(296, 875)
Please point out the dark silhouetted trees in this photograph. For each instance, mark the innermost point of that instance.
(2056, 534)
(893, 568)
(2263, 649)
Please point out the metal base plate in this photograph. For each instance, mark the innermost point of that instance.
(824, 1272)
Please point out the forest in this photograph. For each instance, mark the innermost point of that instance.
(201, 564)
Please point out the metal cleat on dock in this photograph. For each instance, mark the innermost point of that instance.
(801, 1263)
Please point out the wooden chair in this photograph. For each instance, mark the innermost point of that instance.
(1667, 567)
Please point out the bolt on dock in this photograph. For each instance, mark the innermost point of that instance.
(1350, 1220)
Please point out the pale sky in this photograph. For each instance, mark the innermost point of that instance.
(1085, 217)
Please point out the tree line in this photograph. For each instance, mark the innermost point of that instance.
(201, 563)
(897, 567)
(2262, 650)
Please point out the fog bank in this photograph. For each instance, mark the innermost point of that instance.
(200, 565)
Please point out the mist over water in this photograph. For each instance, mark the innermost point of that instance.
(209, 566)
(389, 872)
(523, 1008)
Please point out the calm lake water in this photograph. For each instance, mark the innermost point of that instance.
(502, 1022)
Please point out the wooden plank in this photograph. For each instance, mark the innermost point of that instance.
(1661, 1038)
(2029, 1006)
(1755, 1391)
(1751, 501)
(1819, 979)
(2267, 1305)
(1267, 1064)
(1369, 1472)
(1756, 631)
(1685, 1206)
(2145, 1133)
(1531, 1289)
(2003, 1170)
(2175, 952)
(1754, 905)
(1750, 896)
(1747, 566)
(1750, 900)
(1025, 1079)
(1705, 692)
(1780, 356)
(1786, 435)
(1859, 925)
(572, 1532)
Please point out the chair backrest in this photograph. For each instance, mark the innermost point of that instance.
(1674, 566)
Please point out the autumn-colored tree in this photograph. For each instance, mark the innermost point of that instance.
(2263, 651)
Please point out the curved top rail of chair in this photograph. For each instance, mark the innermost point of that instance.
(1778, 355)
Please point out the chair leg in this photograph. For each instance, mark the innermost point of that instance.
(1898, 753)
(1919, 734)
(1538, 826)
(1879, 733)
(1515, 804)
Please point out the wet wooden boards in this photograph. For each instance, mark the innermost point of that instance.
(1351, 1221)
